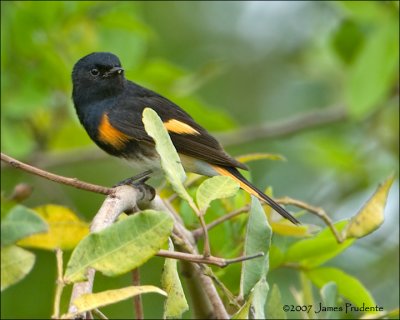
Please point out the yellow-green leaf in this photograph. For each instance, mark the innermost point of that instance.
(253, 308)
(371, 215)
(315, 251)
(243, 312)
(123, 246)
(19, 223)
(374, 71)
(276, 257)
(274, 303)
(16, 263)
(65, 229)
(175, 304)
(348, 286)
(392, 314)
(217, 187)
(287, 228)
(90, 301)
(260, 156)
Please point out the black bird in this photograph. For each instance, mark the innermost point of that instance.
(110, 108)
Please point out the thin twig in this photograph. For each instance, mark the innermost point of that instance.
(319, 212)
(59, 284)
(197, 233)
(137, 299)
(200, 216)
(54, 177)
(220, 262)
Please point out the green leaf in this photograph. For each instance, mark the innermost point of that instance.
(274, 304)
(217, 187)
(371, 215)
(374, 71)
(313, 252)
(90, 301)
(286, 228)
(348, 286)
(6, 205)
(348, 40)
(176, 303)
(258, 239)
(20, 223)
(170, 161)
(260, 292)
(253, 308)
(392, 314)
(243, 312)
(16, 263)
(65, 229)
(276, 257)
(121, 247)
(329, 297)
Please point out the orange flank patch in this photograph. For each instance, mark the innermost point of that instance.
(244, 186)
(177, 126)
(108, 134)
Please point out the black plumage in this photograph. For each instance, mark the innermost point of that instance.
(110, 108)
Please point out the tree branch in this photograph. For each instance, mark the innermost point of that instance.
(127, 198)
(297, 123)
(137, 300)
(199, 258)
(54, 177)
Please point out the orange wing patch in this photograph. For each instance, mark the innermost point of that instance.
(177, 126)
(108, 134)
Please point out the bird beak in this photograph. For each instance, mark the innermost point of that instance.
(114, 70)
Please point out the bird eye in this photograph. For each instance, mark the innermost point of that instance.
(95, 72)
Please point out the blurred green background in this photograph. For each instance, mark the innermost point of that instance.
(231, 65)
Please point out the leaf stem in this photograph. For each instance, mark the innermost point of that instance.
(197, 233)
(137, 299)
(59, 285)
(319, 212)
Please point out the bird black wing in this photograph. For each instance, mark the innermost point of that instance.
(188, 137)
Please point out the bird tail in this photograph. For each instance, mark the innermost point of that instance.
(247, 186)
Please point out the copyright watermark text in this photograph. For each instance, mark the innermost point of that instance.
(347, 307)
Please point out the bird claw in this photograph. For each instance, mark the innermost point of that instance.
(141, 178)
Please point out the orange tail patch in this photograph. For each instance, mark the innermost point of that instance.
(244, 186)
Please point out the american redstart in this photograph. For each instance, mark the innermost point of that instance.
(110, 108)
